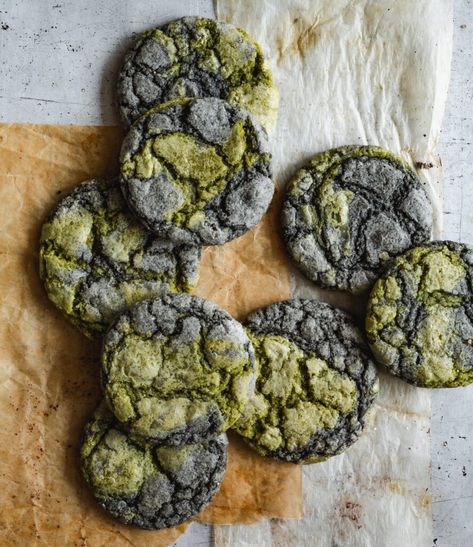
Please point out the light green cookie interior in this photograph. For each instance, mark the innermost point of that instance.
(197, 171)
(297, 394)
(431, 275)
(158, 385)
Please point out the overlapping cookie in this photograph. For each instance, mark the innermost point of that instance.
(196, 57)
(197, 171)
(315, 382)
(148, 486)
(177, 369)
(96, 259)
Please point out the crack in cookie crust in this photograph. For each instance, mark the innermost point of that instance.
(351, 209)
(147, 486)
(96, 259)
(315, 382)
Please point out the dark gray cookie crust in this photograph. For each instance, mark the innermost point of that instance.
(315, 382)
(351, 209)
(197, 171)
(196, 57)
(177, 369)
(419, 320)
(96, 259)
(147, 486)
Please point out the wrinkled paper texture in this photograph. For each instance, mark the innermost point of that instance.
(357, 72)
(49, 372)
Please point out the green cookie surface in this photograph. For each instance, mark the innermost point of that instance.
(197, 57)
(144, 485)
(177, 369)
(96, 259)
(197, 171)
(348, 211)
(419, 320)
(314, 382)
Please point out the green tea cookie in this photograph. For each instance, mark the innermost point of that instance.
(96, 259)
(420, 316)
(197, 171)
(349, 210)
(196, 57)
(177, 369)
(314, 383)
(144, 485)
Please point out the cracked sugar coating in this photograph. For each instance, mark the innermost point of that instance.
(196, 57)
(144, 485)
(96, 259)
(351, 209)
(177, 369)
(419, 320)
(197, 170)
(315, 381)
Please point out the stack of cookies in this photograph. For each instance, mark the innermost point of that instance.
(176, 374)
(296, 381)
(117, 257)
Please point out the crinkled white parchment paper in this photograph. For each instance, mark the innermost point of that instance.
(357, 72)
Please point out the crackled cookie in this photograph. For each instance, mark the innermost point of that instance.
(419, 320)
(96, 259)
(177, 369)
(197, 171)
(314, 383)
(196, 57)
(144, 485)
(349, 210)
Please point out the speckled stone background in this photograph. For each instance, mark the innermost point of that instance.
(58, 65)
(452, 421)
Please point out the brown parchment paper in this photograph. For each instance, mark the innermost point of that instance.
(255, 488)
(49, 371)
(249, 272)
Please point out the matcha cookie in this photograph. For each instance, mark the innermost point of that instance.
(420, 316)
(197, 171)
(96, 259)
(196, 57)
(349, 210)
(177, 369)
(315, 381)
(144, 485)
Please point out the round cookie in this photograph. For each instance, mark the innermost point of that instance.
(96, 259)
(196, 57)
(419, 320)
(177, 369)
(349, 210)
(144, 485)
(315, 382)
(197, 171)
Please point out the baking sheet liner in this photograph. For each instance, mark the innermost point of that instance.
(357, 72)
